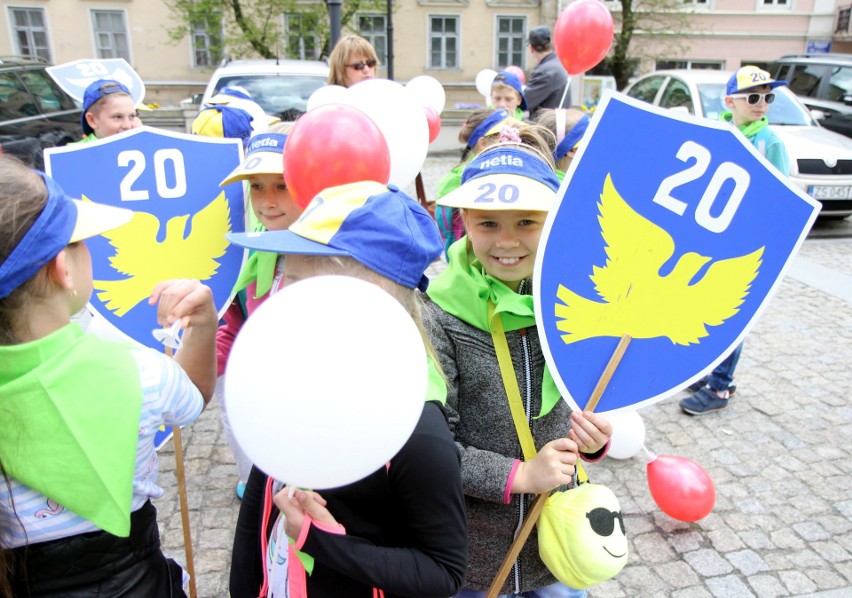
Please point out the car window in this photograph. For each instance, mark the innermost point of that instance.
(284, 96)
(48, 95)
(646, 89)
(840, 84)
(712, 97)
(15, 100)
(804, 79)
(677, 95)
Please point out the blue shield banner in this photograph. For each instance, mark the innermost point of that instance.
(668, 228)
(182, 216)
(74, 77)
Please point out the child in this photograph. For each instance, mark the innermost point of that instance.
(568, 126)
(275, 209)
(478, 131)
(108, 109)
(748, 96)
(507, 93)
(80, 412)
(405, 531)
(493, 265)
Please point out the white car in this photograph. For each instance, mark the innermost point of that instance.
(820, 160)
(281, 87)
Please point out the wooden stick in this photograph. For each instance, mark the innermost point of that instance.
(609, 370)
(541, 499)
(421, 190)
(184, 503)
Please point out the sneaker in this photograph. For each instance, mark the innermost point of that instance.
(241, 489)
(704, 401)
(697, 385)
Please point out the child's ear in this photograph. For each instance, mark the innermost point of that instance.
(729, 101)
(58, 272)
(90, 119)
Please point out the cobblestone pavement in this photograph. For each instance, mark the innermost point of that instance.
(779, 457)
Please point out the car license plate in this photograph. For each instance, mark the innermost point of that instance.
(830, 191)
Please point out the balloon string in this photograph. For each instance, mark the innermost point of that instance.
(648, 454)
(291, 491)
(565, 93)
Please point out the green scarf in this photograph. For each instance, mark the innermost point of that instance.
(71, 404)
(259, 267)
(464, 289)
(749, 130)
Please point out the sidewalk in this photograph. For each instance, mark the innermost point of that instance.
(780, 457)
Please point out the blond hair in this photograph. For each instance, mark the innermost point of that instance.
(348, 47)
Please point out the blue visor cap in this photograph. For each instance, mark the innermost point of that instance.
(512, 81)
(505, 177)
(377, 225)
(94, 93)
(264, 155)
(62, 221)
(488, 126)
(572, 138)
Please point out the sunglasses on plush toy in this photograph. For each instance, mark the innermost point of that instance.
(603, 521)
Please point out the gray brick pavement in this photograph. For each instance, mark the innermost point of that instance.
(779, 457)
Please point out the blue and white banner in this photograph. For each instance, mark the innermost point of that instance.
(182, 216)
(668, 228)
(74, 77)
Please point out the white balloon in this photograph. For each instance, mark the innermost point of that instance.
(329, 94)
(628, 434)
(429, 90)
(326, 381)
(400, 116)
(484, 79)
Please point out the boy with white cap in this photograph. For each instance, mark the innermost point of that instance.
(748, 96)
(275, 209)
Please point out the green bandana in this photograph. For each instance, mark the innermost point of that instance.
(71, 404)
(465, 278)
(259, 267)
(749, 130)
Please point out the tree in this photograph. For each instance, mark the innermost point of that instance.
(253, 27)
(665, 21)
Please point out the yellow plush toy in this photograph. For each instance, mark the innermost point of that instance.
(581, 536)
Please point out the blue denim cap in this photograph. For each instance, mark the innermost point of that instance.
(505, 177)
(572, 138)
(377, 225)
(94, 93)
(62, 221)
(512, 81)
(264, 155)
(750, 76)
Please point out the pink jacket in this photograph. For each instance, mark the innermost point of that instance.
(234, 319)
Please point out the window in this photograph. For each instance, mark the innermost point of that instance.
(110, 34)
(511, 41)
(694, 2)
(689, 64)
(46, 92)
(30, 32)
(677, 95)
(646, 90)
(300, 35)
(782, 3)
(443, 42)
(373, 29)
(206, 37)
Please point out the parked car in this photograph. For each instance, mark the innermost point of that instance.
(823, 83)
(34, 112)
(281, 87)
(820, 160)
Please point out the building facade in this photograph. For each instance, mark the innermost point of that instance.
(452, 40)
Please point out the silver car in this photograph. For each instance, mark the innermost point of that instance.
(820, 160)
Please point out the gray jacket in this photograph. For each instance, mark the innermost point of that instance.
(546, 85)
(479, 417)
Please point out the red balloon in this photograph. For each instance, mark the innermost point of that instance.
(681, 487)
(434, 121)
(582, 35)
(333, 145)
(518, 72)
